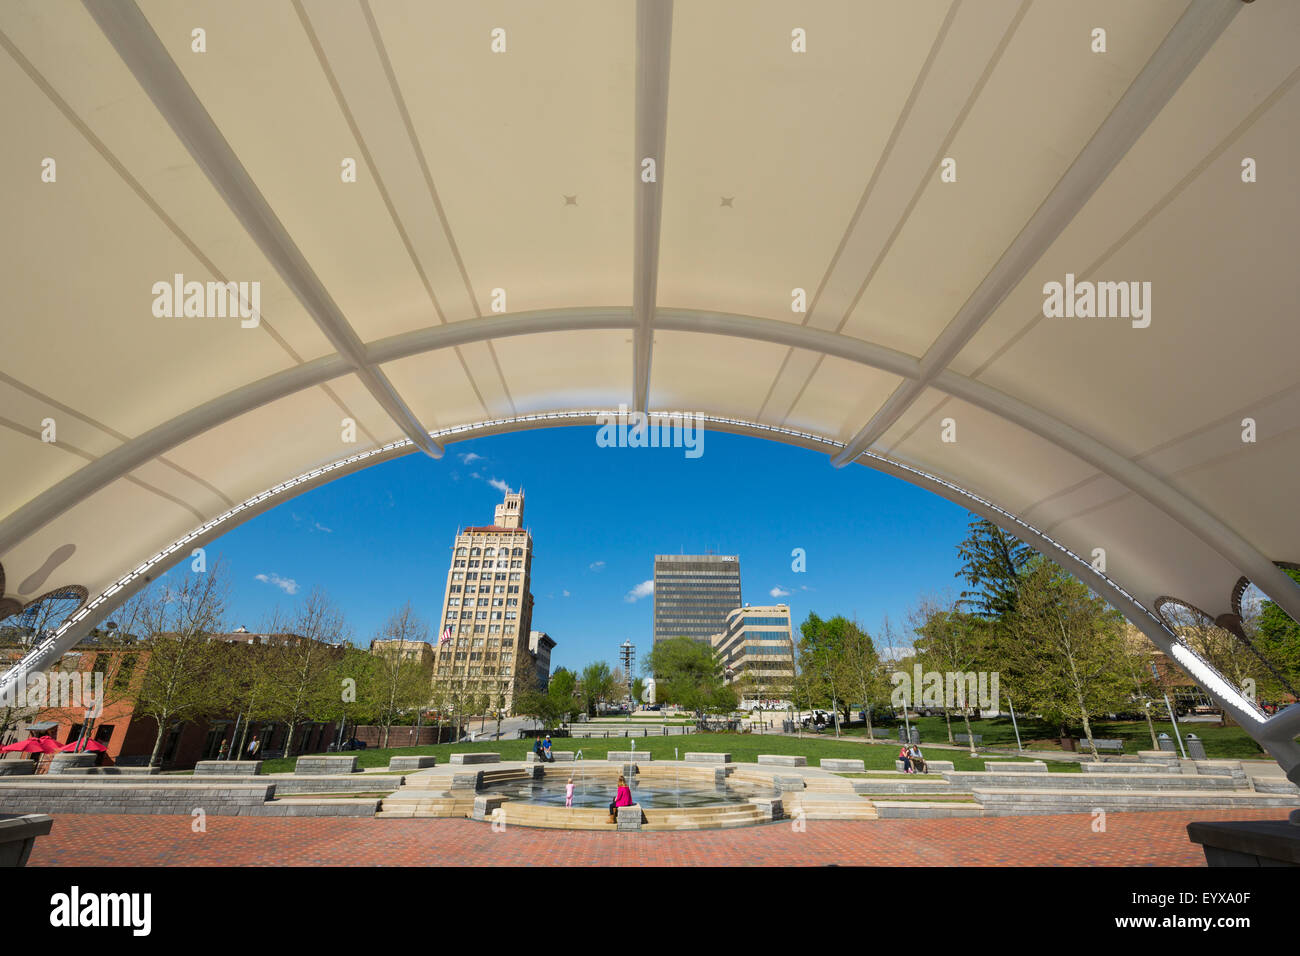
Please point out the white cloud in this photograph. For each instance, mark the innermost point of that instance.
(287, 585)
(565, 592)
(321, 527)
(596, 566)
(644, 589)
(779, 591)
(499, 485)
(470, 457)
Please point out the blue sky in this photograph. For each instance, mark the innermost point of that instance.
(598, 516)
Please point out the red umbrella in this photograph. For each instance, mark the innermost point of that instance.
(34, 745)
(84, 745)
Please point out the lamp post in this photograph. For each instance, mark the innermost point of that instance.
(1014, 725)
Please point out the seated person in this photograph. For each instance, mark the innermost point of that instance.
(546, 750)
(537, 748)
(906, 757)
(918, 760)
(622, 798)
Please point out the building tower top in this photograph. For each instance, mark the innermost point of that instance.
(510, 513)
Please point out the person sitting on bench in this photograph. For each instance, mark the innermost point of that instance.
(917, 758)
(546, 750)
(622, 798)
(904, 756)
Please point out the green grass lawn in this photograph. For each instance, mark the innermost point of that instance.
(744, 748)
(1225, 743)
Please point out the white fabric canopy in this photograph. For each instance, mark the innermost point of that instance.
(501, 262)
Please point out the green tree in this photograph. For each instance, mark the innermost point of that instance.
(597, 684)
(863, 672)
(688, 674)
(1068, 654)
(952, 643)
(563, 690)
(1277, 638)
(993, 563)
(822, 649)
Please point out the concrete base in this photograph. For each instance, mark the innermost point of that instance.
(843, 766)
(457, 760)
(17, 768)
(226, 768)
(707, 758)
(1248, 843)
(630, 818)
(416, 762)
(486, 804)
(782, 760)
(330, 764)
(18, 835)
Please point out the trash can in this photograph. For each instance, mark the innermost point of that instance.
(1166, 742)
(1195, 747)
(916, 736)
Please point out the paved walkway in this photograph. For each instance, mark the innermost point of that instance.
(1130, 839)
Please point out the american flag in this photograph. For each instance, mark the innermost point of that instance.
(446, 636)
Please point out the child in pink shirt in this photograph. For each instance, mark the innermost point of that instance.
(568, 793)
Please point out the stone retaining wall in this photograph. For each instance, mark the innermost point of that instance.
(228, 768)
(335, 763)
(87, 797)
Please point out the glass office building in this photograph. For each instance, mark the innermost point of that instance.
(694, 593)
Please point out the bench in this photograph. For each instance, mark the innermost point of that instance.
(320, 764)
(931, 766)
(966, 738)
(628, 756)
(782, 760)
(412, 762)
(559, 756)
(469, 758)
(843, 766)
(1111, 746)
(707, 758)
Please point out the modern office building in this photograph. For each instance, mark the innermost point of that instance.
(694, 593)
(483, 644)
(757, 645)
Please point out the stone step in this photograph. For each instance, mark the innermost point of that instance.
(906, 785)
(1140, 768)
(1091, 781)
(918, 809)
(1067, 801)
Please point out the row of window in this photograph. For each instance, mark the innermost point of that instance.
(496, 589)
(489, 552)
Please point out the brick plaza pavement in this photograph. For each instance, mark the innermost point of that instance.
(1130, 839)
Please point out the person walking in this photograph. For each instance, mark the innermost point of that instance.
(253, 746)
(622, 798)
(568, 793)
(224, 750)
